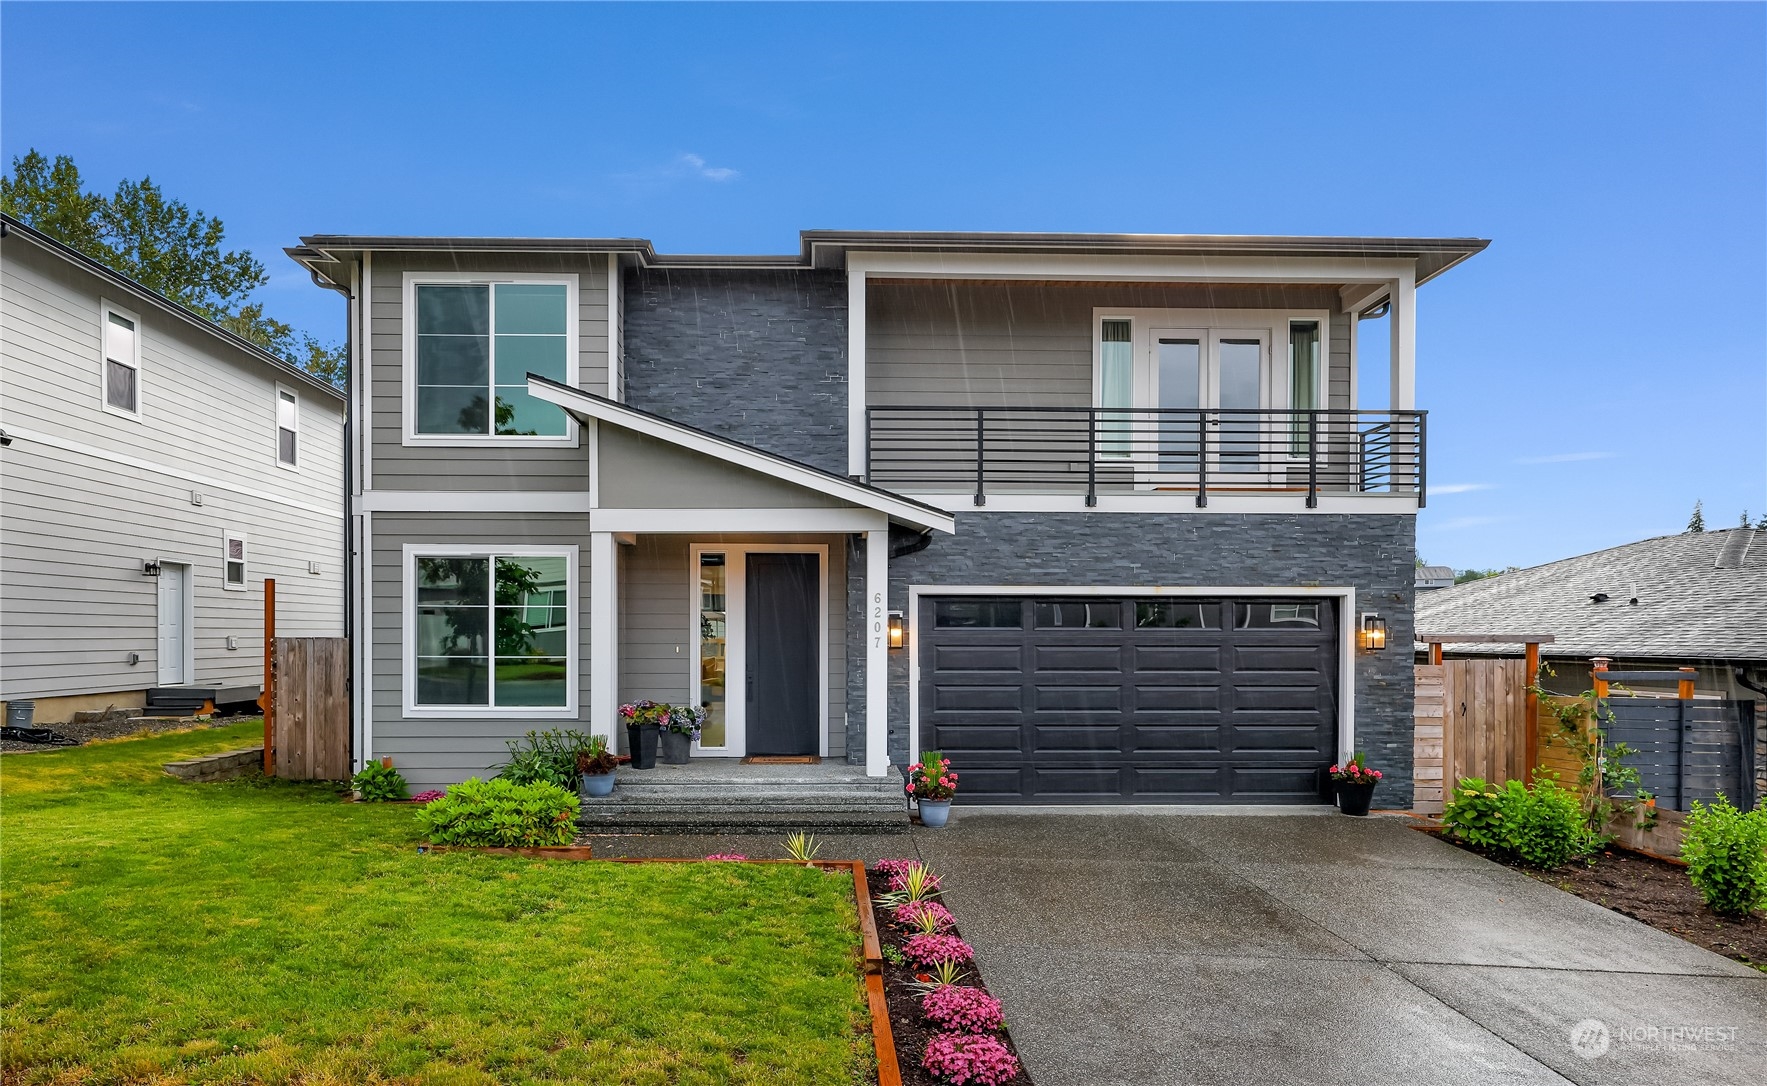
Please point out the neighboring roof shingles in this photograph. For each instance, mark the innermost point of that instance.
(1701, 596)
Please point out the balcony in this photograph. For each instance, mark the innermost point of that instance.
(1095, 451)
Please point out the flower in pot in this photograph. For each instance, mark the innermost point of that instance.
(1355, 785)
(932, 782)
(643, 723)
(680, 727)
(595, 768)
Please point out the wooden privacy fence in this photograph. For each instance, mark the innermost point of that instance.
(1471, 720)
(307, 719)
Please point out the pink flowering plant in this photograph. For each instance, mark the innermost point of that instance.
(962, 1009)
(916, 914)
(930, 949)
(970, 1059)
(932, 777)
(429, 796)
(1355, 771)
(894, 867)
(730, 856)
(686, 719)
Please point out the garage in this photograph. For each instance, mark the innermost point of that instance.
(1131, 699)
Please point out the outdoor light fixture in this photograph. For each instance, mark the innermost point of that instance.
(895, 629)
(1374, 632)
(150, 567)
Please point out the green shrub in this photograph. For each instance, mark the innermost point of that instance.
(1726, 854)
(548, 757)
(379, 782)
(501, 812)
(1542, 826)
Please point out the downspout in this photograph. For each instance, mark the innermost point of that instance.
(349, 485)
(1750, 775)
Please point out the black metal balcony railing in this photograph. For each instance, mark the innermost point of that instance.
(1057, 450)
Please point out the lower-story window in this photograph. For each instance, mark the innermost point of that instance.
(492, 629)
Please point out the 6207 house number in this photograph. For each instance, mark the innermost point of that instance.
(877, 619)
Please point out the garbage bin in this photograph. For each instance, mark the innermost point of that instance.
(18, 713)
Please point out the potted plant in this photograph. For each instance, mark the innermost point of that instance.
(643, 721)
(595, 768)
(680, 727)
(1355, 785)
(932, 782)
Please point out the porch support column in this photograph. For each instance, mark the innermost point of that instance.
(877, 653)
(1403, 350)
(604, 629)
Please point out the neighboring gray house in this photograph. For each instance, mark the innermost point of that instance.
(1115, 498)
(1698, 599)
(1429, 577)
(154, 470)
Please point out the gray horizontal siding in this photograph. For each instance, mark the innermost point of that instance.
(1026, 344)
(657, 650)
(393, 465)
(439, 751)
(639, 472)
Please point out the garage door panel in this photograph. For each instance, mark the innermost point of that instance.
(1243, 710)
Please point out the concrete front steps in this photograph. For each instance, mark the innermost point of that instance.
(720, 795)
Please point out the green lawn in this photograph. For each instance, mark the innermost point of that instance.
(253, 931)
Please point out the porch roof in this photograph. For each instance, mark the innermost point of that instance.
(587, 406)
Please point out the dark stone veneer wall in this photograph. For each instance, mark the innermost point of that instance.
(1373, 553)
(755, 356)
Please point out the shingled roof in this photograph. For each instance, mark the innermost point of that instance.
(1699, 596)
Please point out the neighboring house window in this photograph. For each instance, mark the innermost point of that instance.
(233, 562)
(288, 427)
(122, 362)
(492, 630)
(475, 345)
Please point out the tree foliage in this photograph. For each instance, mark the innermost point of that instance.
(164, 245)
(1697, 522)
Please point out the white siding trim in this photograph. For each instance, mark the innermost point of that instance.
(408, 359)
(856, 429)
(361, 640)
(736, 520)
(604, 652)
(56, 442)
(489, 501)
(877, 678)
(408, 602)
(1347, 649)
(614, 317)
(362, 374)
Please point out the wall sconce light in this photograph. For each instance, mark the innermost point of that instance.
(150, 567)
(1374, 632)
(896, 631)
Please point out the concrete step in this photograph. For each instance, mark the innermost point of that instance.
(768, 821)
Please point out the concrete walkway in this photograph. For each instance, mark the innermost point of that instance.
(1177, 948)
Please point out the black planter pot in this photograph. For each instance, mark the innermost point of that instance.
(677, 748)
(642, 739)
(1353, 799)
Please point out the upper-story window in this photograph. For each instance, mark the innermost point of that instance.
(122, 362)
(288, 427)
(472, 346)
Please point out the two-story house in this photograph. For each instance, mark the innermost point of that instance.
(1101, 516)
(154, 470)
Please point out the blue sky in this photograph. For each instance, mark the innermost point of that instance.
(1595, 371)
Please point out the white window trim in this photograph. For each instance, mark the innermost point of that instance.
(105, 309)
(408, 632)
(736, 639)
(281, 391)
(408, 364)
(245, 561)
(1216, 322)
(1347, 616)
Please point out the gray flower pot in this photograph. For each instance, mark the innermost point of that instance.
(675, 748)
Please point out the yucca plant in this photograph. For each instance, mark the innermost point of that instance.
(916, 883)
(802, 847)
(942, 975)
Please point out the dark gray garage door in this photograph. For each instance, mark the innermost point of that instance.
(1145, 700)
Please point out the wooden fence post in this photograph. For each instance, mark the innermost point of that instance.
(269, 676)
(1684, 688)
(1597, 669)
(1531, 711)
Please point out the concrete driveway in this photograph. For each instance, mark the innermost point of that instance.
(1294, 949)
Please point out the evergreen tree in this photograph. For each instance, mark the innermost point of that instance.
(1697, 522)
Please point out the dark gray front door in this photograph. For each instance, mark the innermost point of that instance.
(1146, 700)
(783, 630)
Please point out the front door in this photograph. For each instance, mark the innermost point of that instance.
(1212, 370)
(782, 628)
(174, 624)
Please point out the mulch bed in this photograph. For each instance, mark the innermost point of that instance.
(117, 729)
(1653, 892)
(911, 1029)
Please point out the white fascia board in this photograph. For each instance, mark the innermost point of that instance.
(1190, 269)
(738, 520)
(586, 407)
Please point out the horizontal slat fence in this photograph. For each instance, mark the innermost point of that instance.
(310, 723)
(1688, 750)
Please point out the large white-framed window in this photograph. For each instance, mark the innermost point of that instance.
(470, 342)
(490, 631)
(288, 427)
(120, 361)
